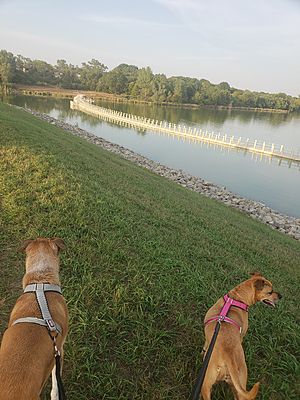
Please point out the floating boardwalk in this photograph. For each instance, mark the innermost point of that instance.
(193, 134)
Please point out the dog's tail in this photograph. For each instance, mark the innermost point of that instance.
(234, 375)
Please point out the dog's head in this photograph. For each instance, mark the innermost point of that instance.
(263, 290)
(42, 260)
(42, 253)
(53, 244)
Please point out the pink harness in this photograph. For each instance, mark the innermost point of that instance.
(229, 302)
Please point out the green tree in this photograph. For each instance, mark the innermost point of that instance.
(91, 73)
(143, 87)
(7, 69)
(67, 75)
(23, 69)
(119, 80)
(161, 88)
(43, 73)
(179, 90)
(203, 95)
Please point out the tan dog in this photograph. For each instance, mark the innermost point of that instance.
(227, 362)
(27, 351)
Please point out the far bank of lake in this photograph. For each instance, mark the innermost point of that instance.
(54, 91)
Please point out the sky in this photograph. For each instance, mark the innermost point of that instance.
(251, 44)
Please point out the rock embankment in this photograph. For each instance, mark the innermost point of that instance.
(283, 223)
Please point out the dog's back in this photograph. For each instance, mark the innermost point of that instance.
(27, 349)
(27, 353)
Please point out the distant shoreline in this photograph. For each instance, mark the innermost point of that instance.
(53, 91)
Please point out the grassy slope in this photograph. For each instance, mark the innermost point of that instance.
(145, 259)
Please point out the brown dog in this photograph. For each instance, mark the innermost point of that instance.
(27, 349)
(227, 362)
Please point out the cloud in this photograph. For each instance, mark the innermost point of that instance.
(239, 26)
(37, 39)
(236, 15)
(126, 21)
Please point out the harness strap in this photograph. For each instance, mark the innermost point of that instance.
(224, 319)
(236, 303)
(38, 321)
(39, 289)
(47, 287)
(42, 301)
(228, 302)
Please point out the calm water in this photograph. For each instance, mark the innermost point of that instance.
(269, 181)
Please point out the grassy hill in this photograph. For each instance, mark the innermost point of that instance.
(145, 258)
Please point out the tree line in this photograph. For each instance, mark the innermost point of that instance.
(135, 83)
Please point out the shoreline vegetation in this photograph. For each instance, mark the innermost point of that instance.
(52, 91)
(145, 258)
(131, 83)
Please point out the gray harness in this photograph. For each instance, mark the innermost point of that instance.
(53, 328)
(39, 289)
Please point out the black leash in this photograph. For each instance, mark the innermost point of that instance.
(60, 386)
(199, 382)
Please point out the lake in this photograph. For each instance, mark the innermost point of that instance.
(271, 181)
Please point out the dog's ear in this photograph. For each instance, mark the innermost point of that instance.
(259, 284)
(24, 244)
(59, 243)
(255, 273)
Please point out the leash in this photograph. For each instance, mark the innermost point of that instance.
(202, 372)
(53, 328)
(60, 386)
(222, 317)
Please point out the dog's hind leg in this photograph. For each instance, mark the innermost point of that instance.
(238, 377)
(209, 380)
(206, 392)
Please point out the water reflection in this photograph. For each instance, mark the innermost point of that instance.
(216, 146)
(201, 116)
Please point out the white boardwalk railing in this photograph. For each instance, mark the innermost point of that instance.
(193, 134)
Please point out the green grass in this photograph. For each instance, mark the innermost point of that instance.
(145, 258)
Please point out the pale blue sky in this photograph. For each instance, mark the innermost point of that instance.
(252, 44)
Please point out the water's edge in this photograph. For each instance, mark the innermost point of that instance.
(257, 210)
